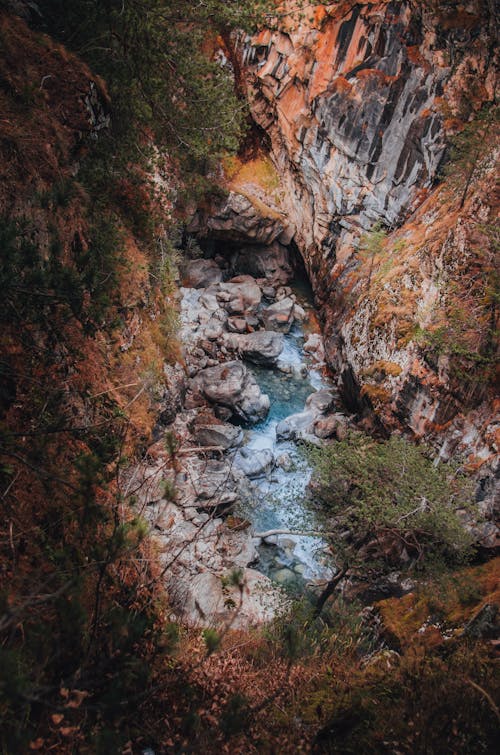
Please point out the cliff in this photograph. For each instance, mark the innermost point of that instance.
(360, 102)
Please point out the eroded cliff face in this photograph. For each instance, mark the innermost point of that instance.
(355, 103)
(359, 103)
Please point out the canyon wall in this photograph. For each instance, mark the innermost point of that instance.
(359, 102)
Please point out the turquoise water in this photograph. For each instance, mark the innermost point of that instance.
(281, 500)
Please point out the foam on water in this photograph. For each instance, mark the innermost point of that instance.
(282, 495)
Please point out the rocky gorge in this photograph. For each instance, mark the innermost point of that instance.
(241, 479)
(249, 429)
(351, 102)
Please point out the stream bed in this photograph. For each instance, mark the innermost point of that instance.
(278, 499)
(281, 496)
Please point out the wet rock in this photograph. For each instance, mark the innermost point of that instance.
(254, 463)
(279, 316)
(202, 273)
(233, 387)
(261, 347)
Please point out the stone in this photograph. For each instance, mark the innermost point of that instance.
(314, 345)
(271, 262)
(299, 313)
(201, 273)
(211, 600)
(284, 576)
(254, 462)
(207, 484)
(213, 329)
(285, 462)
(302, 424)
(333, 426)
(320, 401)
(296, 426)
(269, 293)
(487, 535)
(224, 435)
(279, 316)
(232, 386)
(237, 324)
(240, 295)
(262, 347)
(484, 624)
(237, 218)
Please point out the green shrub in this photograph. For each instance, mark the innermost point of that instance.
(392, 490)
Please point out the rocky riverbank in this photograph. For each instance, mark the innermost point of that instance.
(252, 385)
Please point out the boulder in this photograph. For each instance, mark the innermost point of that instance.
(201, 273)
(237, 325)
(208, 484)
(314, 345)
(269, 293)
(261, 347)
(333, 426)
(299, 313)
(232, 386)
(300, 425)
(279, 316)
(211, 600)
(254, 462)
(271, 262)
(213, 329)
(224, 435)
(240, 295)
(320, 401)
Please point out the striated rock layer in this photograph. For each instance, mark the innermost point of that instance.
(359, 102)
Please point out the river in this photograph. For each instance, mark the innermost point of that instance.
(279, 497)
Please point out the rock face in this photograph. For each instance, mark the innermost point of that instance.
(271, 262)
(231, 385)
(237, 218)
(349, 102)
(358, 103)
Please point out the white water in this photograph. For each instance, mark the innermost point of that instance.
(281, 496)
